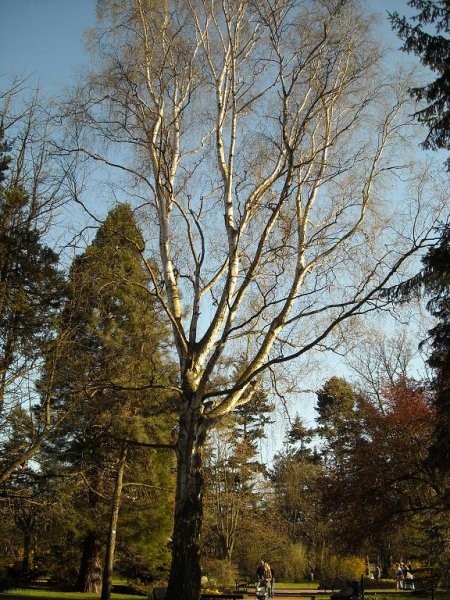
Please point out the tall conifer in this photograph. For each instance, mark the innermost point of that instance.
(114, 350)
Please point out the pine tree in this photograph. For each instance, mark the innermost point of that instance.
(434, 53)
(114, 351)
(435, 280)
(32, 287)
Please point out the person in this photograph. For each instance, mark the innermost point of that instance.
(399, 576)
(409, 575)
(260, 570)
(264, 573)
(272, 582)
(406, 576)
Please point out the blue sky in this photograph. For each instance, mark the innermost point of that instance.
(43, 39)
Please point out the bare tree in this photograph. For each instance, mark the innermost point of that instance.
(32, 190)
(379, 359)
(258, 138)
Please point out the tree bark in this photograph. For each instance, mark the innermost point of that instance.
(114, 518)
(27, 560)
(185, 572)
(268, 251)
(89, 575)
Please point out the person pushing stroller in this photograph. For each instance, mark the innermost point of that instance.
(263, 585)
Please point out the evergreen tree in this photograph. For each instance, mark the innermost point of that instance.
(301, 435)
(114, 350)
(32, 288)
(434, 53)
(435, 279)
(337, 407)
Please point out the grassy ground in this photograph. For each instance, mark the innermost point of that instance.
(44, 594)
(39, 594)
(383, 595)
(371, 594)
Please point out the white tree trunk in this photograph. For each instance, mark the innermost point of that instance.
(260, 138)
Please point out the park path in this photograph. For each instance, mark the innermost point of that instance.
(290, 593)
(305, 594)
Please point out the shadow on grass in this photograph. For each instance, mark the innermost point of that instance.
(53, 594)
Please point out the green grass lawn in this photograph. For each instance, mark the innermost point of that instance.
(39, 594)
(377, 594)
(44, 594)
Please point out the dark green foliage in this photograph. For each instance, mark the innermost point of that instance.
(113, 353)
(433, 48)
(433, 281)
(335, 403)
(434, 53)
(436, 283)
(5, 159)
(301, 436)
(338, 406)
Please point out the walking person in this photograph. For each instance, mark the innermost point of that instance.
(410, 576)
(405, 573)
(264, 574)
(399, 577)
(377, 573)
(272, 582)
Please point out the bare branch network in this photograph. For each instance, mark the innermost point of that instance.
(261, 141)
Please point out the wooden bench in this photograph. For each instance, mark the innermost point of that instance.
(327, 585)
(243, 584)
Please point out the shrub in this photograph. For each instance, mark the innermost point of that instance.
(6, 582)
(61, 564)
(219, 572)
(287, 559)
(295, 563)
(134, 566)
(343, 567)
(381, 584)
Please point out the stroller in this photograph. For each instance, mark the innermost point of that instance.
(262, 589)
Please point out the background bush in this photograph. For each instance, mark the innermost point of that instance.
(5, 581)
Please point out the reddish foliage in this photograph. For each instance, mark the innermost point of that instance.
(384, 477)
